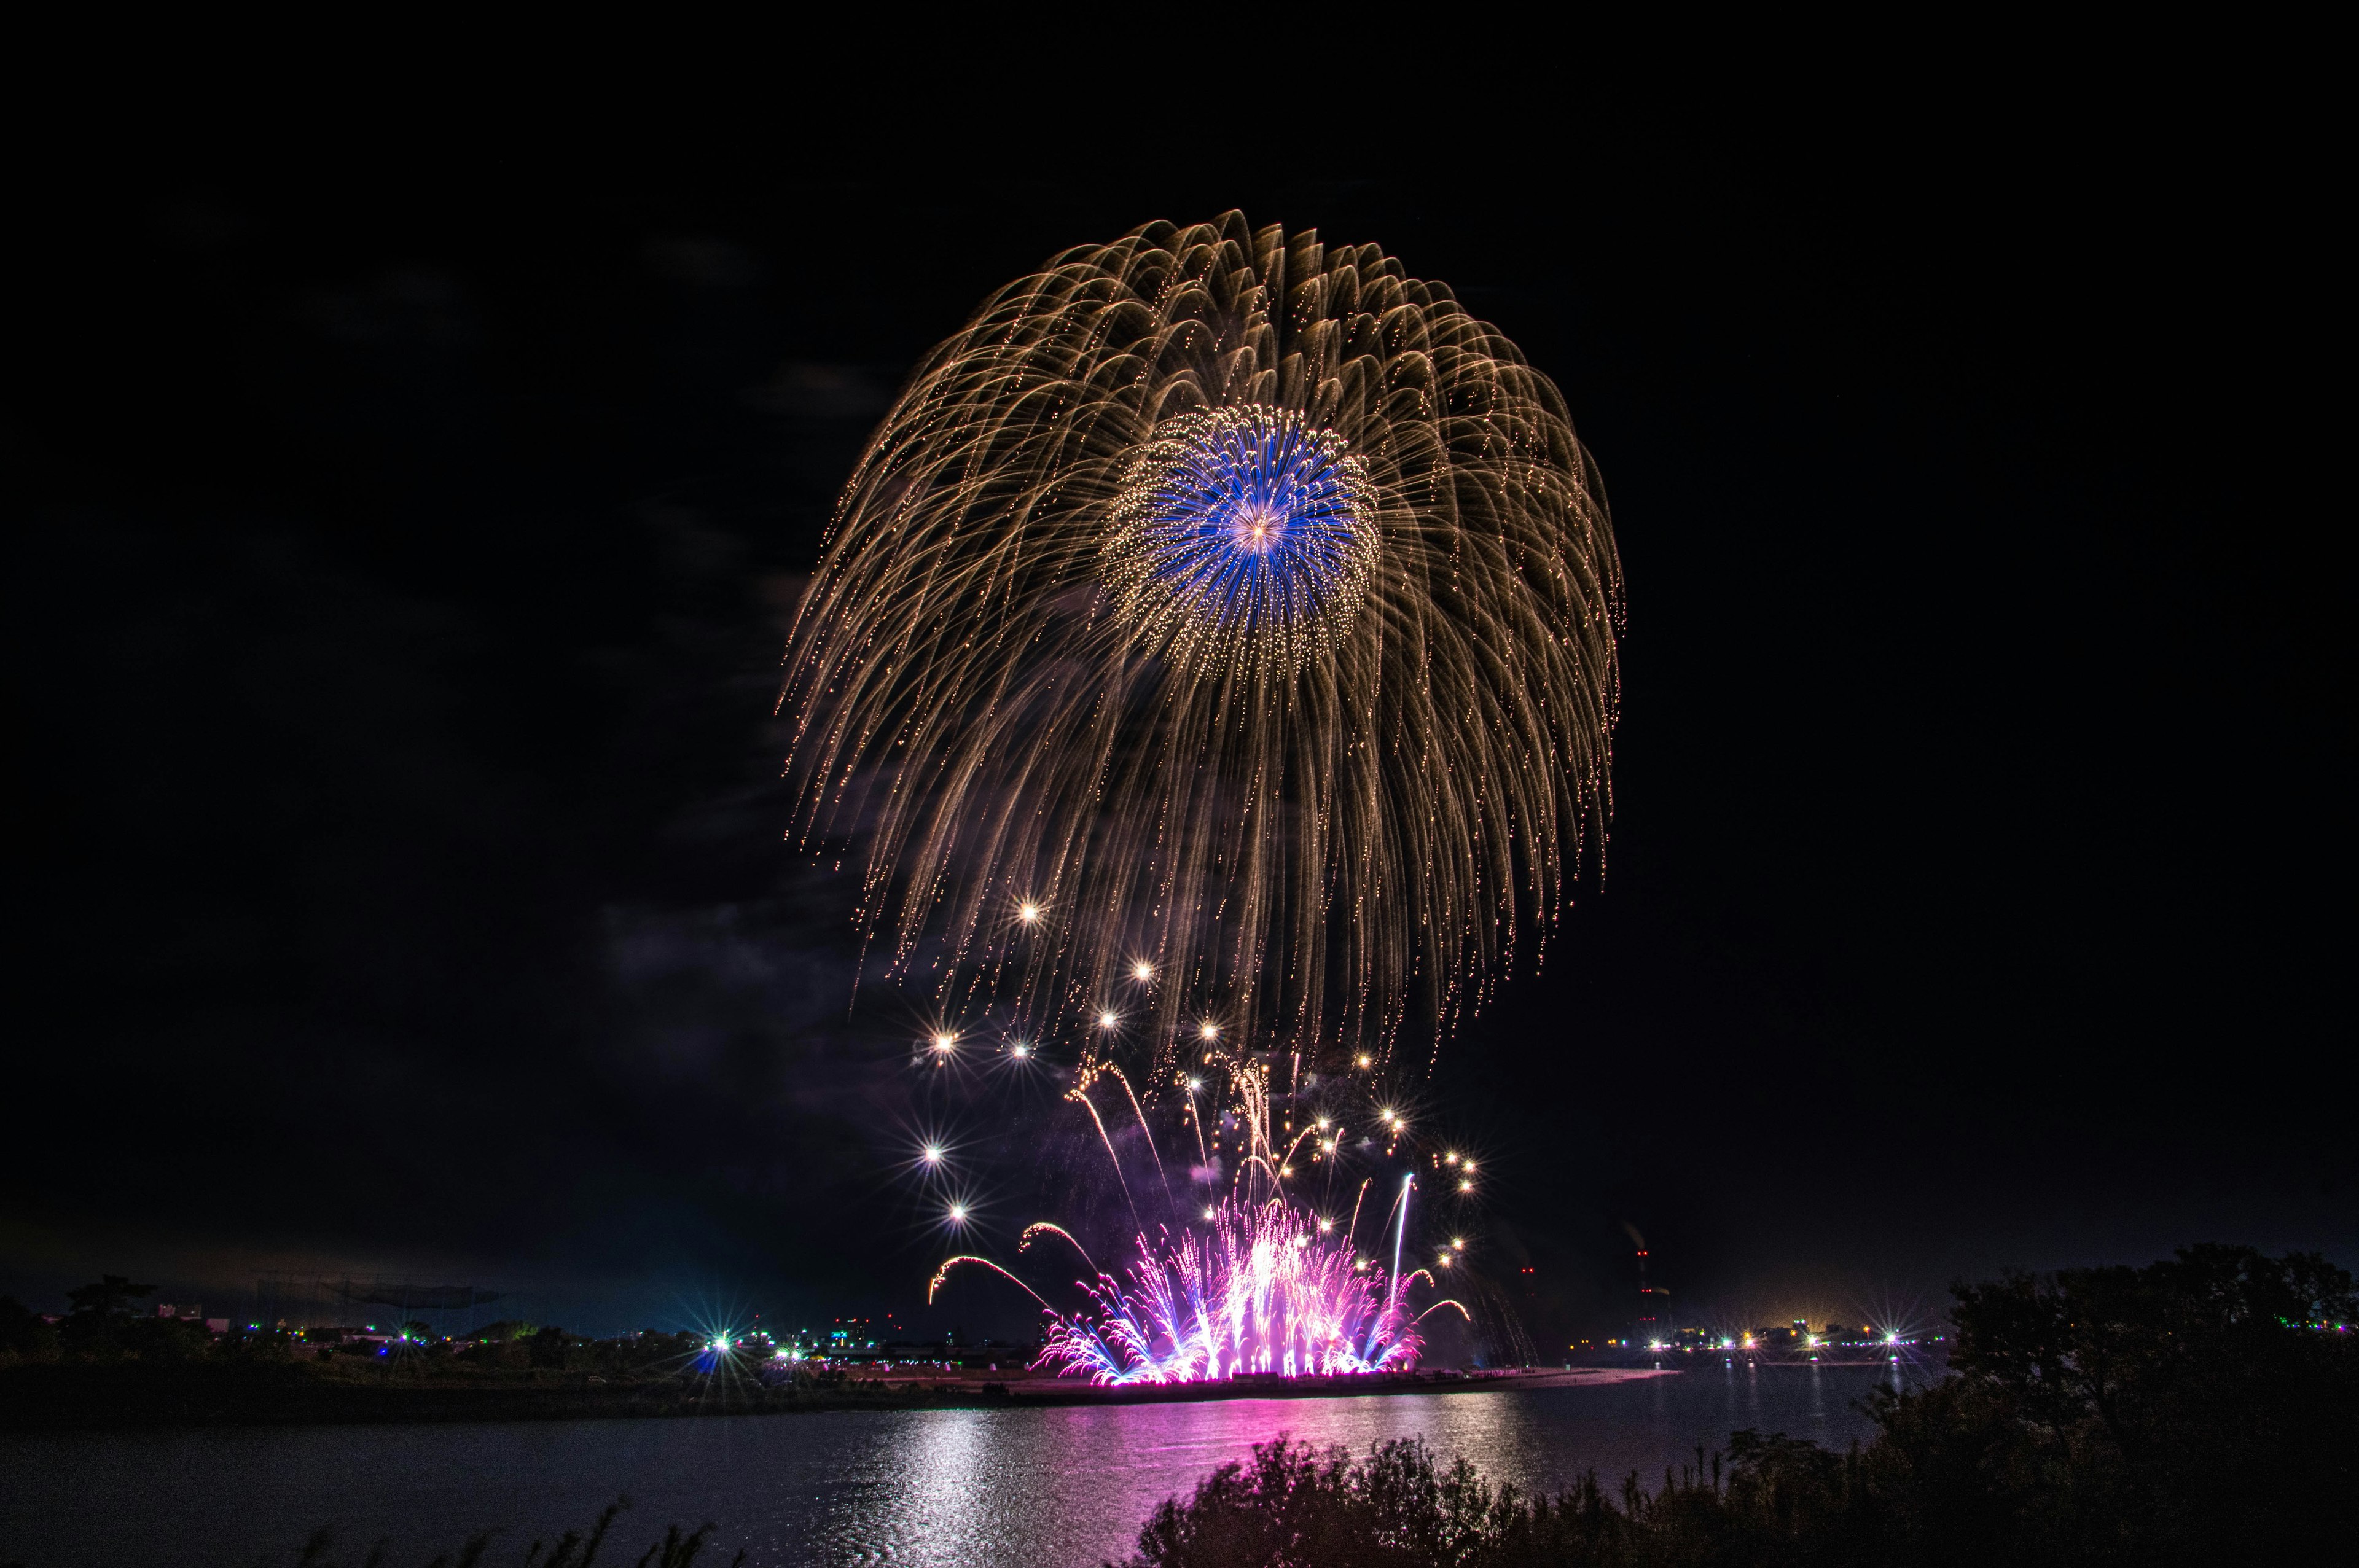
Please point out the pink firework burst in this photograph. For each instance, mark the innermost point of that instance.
(1256, 1290)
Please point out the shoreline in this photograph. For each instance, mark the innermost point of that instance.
(1277, 1388)
(85, 1399)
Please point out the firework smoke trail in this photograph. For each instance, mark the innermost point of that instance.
(1081, 1093)
(1225, 609)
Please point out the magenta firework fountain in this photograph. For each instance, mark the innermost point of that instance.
(1255, 1282)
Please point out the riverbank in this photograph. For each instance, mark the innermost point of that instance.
(71, 1397)
(921, 1487)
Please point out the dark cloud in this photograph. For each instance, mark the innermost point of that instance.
(826, 391)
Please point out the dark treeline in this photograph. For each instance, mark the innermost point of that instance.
(105, 1328)
(104, 1364)
(574, 1549)
(2201, 1410)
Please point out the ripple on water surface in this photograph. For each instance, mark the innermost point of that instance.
(1041, 1487)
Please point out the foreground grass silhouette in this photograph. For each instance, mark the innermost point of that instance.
(574, 1549)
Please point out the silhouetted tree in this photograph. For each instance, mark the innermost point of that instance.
(2212, 1398)
(100, 1322)
(110, 1297)
(22, 1332)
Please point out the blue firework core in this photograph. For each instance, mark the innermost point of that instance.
(1248, 517)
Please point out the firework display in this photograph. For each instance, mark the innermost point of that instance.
(1256, 1292)
(1221, 627)
(1245, 1275)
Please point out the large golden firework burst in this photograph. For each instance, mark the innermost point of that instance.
(1218, 635)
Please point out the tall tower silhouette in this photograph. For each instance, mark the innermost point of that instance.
(1648, 1325)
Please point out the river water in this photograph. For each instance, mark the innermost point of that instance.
(1039, 1487)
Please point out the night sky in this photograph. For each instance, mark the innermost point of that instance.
(403, 553)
